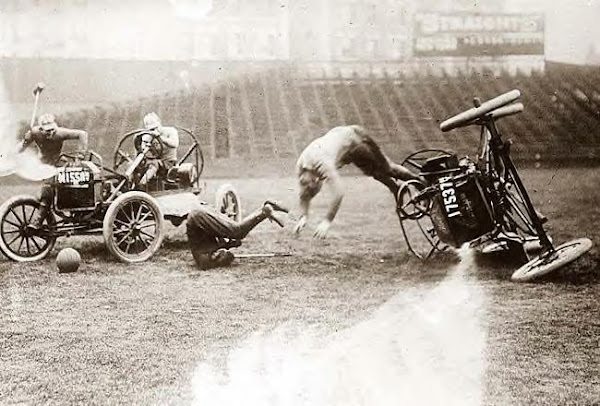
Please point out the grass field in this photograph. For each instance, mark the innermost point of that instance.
(353, 320)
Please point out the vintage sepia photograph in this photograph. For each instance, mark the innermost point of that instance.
(299, 202)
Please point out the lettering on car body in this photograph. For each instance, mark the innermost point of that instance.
(449, 197)
(73, 177)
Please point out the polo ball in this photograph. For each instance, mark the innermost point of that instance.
(68, 260)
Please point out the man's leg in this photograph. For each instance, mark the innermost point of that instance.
(45, 198)
(368, 157)
(373, 162)
(206, 226)
(400, 172)
(221, 226)
(151, 171)
(385, 165)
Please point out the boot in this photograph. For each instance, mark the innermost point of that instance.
(257, 217)
(277, 206)
(270, 207)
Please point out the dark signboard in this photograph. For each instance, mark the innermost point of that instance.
(467, 34)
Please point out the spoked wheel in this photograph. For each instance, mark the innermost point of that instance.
(411, 202)
(133, 227)
(17, 241)
(420, 237)
(131, 145)
(228, 202)
(552, 260)
(414, 211)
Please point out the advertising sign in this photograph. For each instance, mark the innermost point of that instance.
(469, 35)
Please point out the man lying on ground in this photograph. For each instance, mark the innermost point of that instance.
(210, 233)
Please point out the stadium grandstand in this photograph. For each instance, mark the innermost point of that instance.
(251, 79)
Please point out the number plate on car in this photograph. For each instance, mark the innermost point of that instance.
(73, 176)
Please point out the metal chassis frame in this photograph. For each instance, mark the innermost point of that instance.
(498, 162)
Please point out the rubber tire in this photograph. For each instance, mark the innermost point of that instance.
(17, 201)
(222, 192)
(551, 261)
(108, 225)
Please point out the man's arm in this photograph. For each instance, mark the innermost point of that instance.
(70, 134)
(338, 194)
(335, 183)
(27, 140)
(305, 203)
(170, 137)
(305, 198)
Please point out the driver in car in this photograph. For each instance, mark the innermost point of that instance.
(168, 137)
(49, 138)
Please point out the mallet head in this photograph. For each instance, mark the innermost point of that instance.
(38, 88)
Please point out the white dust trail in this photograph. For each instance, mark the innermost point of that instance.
(7, 131)
(425, 346)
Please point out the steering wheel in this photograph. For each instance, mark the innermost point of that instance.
(155, 151)
(156, 146)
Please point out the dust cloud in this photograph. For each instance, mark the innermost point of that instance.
(27, 164)
(425, 346)
(7, 131)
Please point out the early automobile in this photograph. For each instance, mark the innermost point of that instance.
(480, 201)
(91, 198)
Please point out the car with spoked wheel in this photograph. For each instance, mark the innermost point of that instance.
(90, 197)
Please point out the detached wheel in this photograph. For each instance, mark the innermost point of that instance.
(133, 227)
(17, 241)
(552, 260)
(228, 202)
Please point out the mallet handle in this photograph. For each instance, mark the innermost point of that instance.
(264, 255)
(36, 93)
